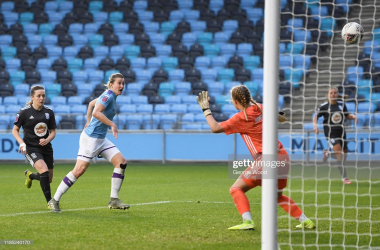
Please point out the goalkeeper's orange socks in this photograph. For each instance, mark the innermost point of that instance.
(241, 203)
(291, 208)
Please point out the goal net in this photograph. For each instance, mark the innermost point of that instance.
(314, 58)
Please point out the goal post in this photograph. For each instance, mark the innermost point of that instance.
(270, 120)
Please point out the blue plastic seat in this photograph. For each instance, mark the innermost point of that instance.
(121, 100)
(223, 99)
(140, 5)
(75, 29)
(163, 51)
(140, 99)
(156, 39)
(255, 14)
(198, 27)
(145, 17)
(101, 52)
(8, 53)
(252, 62)
(100, 18)
(185, 5)
(229, 109)
(75, 64)
(247, 4)
(253, 87)
(176, 75)
(205, 38)
(84, 90)
(302, 62)
(44, 64)
(22, 90)
(191, 15)
(95, 7)
(95, 77)
(133, 121)
(7, 6)
(74, 100)
(302, 35)
(230, 85)
(115, 17)
(4, 121)
(55, 18)
(194, 109)
(70, 52)
(328, 24)
(144, 108)
(215, 88)
(53, 91)
(151, 121)
(80, 41)
(17, 77)
(371, 46)
(29, 28)
(176, 16)
(120, 28)
(5, 41)
(295, 23)
(166, 89)
(25, 18)
(173, 99)
(138, 63)
(209, 75)
(228, 50)
(178, 108)
(170, 63)
(189, 38)
(132, 51)
(286, 61)
(80, 77)
(143, 76)
(295, 48)
(12, 109)
(108, 73)
(162, 109)
(45, 29)
(230, 26)
(128, 108)
(90, 64)
(62, 109)
(218, 62)
(65, 7)
(48, 76)
(54, 52)
(116, 52)
(193, 126)
(318, 12)
(221, 38)
(167, 28)
(50, 40)
(10, 100)
(226, 75)
(13, 65)
(95, 41)
(202, 62)
(133, 89)
(189, 99)
(354, 73)
(216, 5)
(167, 121)
(212, 50)
(34, 41)
(182, 88)
(10, 18)
(154, 63)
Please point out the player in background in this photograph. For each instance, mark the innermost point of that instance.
(249, 123)
(334, 113)
(93, 142)
(38, 123)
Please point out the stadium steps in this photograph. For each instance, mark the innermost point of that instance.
(331, 67)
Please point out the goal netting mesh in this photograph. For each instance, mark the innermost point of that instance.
(313, 58)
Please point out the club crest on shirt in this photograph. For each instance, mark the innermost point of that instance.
(40, 129)
(105, 98)
(33, 155)
(47, 116)
(17, 116)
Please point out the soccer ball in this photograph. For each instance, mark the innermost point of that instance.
(352, 33)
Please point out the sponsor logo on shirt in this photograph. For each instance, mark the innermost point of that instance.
(33, 155)
(47, 116)
(105, 98)
(40, 129)
(336, 117)
(31, 117)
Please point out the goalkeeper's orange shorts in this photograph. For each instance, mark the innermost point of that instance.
(253, 175)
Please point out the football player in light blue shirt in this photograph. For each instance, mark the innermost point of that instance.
(93, 142)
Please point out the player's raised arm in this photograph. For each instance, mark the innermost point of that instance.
(203, 101)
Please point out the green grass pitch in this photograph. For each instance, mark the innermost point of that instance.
(180, 206)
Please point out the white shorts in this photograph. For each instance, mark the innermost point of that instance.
(91, 147)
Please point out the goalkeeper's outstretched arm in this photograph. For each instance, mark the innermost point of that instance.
(214, 125)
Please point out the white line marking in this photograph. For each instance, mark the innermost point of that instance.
(94, 208)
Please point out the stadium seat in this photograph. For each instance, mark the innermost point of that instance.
(182, 88)
(115, 17)
(176, 75)
(173, 99)
(121, 100)
(10, 100)
(132, 51)
(189, 99)
(178, 108)
(202, 62)
(170, 63)
(133, 89)
(75, 64)
(366, 107)
(225, 75)
(138, 63)
(188, 39)
(216, 88)
(151, 121)
(167, 121)
(85, 90)
(95, 40)
(154, 63)
(166, 89)
(141, 99)
(12, 109)
(133, 121)
(127, 108)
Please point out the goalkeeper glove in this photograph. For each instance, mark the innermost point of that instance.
(203, 102)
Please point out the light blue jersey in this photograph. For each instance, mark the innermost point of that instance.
(96, 128)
